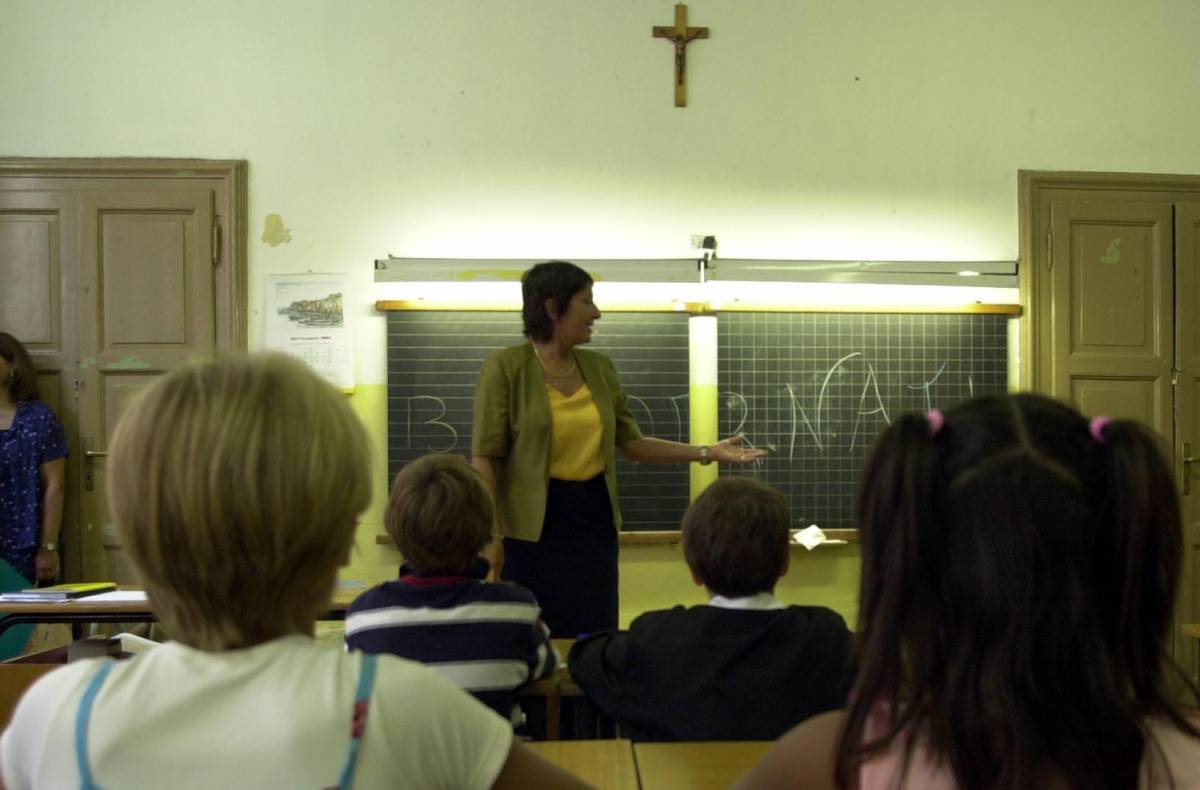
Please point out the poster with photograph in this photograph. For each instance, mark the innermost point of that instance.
(306, 317)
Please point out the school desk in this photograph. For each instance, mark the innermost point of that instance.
(604, 764)
(79, 611)
(695, 765)
(551, 689)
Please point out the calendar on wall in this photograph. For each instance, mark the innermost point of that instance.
(306, 317)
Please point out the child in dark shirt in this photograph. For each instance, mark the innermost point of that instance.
(742, 667)
(486, 637)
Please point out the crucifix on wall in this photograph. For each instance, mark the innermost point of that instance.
(681, 35)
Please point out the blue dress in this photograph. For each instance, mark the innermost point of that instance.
(35, 438)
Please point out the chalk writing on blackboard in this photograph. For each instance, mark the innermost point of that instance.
(426, 428)
(448, 432)
(801, 428)
(671, 427)
(817, 389)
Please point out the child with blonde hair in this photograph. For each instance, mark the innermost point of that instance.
(236, 485)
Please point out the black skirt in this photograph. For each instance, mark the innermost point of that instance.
(573, 568)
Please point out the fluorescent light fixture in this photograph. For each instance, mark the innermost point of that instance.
(732, 284)
(993, 274)
(463, 270)
(765, 295)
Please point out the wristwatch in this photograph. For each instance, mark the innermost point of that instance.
(50, 546)
(705, 455)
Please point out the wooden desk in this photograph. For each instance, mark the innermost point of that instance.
(84, 610)
(698, 765)
(550, 689)
(605, 764)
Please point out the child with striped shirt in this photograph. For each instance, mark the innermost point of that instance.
(487, 637)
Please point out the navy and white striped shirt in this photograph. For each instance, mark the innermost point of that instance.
(486, 637)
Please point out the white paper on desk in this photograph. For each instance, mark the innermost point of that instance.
(117, 596)
(810, 537)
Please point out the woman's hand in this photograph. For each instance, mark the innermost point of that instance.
(727, 451)
(47, 565)
(493, 552)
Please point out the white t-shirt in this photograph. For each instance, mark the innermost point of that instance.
(274, 715)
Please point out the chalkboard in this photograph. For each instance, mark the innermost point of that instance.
(817, 388)
(434, 359)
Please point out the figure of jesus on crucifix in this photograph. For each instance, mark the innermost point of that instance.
(681, 35)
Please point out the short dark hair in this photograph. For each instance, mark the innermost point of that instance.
(22, 385)
(735, 536)
(439, 514)
(557, 280)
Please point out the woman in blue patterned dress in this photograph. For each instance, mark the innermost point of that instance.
(33, 455)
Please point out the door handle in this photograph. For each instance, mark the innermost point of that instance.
(89, 481)
(1188, 460)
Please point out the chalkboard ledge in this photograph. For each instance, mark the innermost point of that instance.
(665, 537)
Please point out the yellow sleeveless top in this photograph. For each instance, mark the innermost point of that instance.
(576, 436)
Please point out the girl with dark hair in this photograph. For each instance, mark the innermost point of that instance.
(549, 418)
(32, 469)
(1020, 568)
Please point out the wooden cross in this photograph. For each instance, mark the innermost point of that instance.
(681, 35)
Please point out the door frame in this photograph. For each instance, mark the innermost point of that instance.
(228, 180)
(1035, 189)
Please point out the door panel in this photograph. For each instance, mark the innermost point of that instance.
(1120, 399)
(1111, 285)
(30, 271)
(37, 306)
(146, 306)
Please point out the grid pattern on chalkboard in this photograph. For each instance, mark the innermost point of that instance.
(434, 360)
(817, 388)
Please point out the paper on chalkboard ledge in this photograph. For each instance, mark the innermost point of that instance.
(812, 536)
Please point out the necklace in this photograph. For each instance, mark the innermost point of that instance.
(551, 373)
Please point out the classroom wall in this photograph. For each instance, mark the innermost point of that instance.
(828, 129)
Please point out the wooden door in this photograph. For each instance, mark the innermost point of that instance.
(146, 305)
(1187, 255)
(1111, 344)
(107, 272)
(1151, 291)
(37, 306)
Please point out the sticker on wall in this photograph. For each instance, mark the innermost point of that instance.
(274, 233)
(1113, 253)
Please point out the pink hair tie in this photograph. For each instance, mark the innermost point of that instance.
(936, 421)
(1096, 428)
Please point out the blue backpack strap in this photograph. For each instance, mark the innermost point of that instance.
(358, 721)
(82, 716)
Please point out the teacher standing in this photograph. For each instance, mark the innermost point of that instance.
(549, 417)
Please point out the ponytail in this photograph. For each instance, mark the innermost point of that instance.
(898, 527)
(1143, 538)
